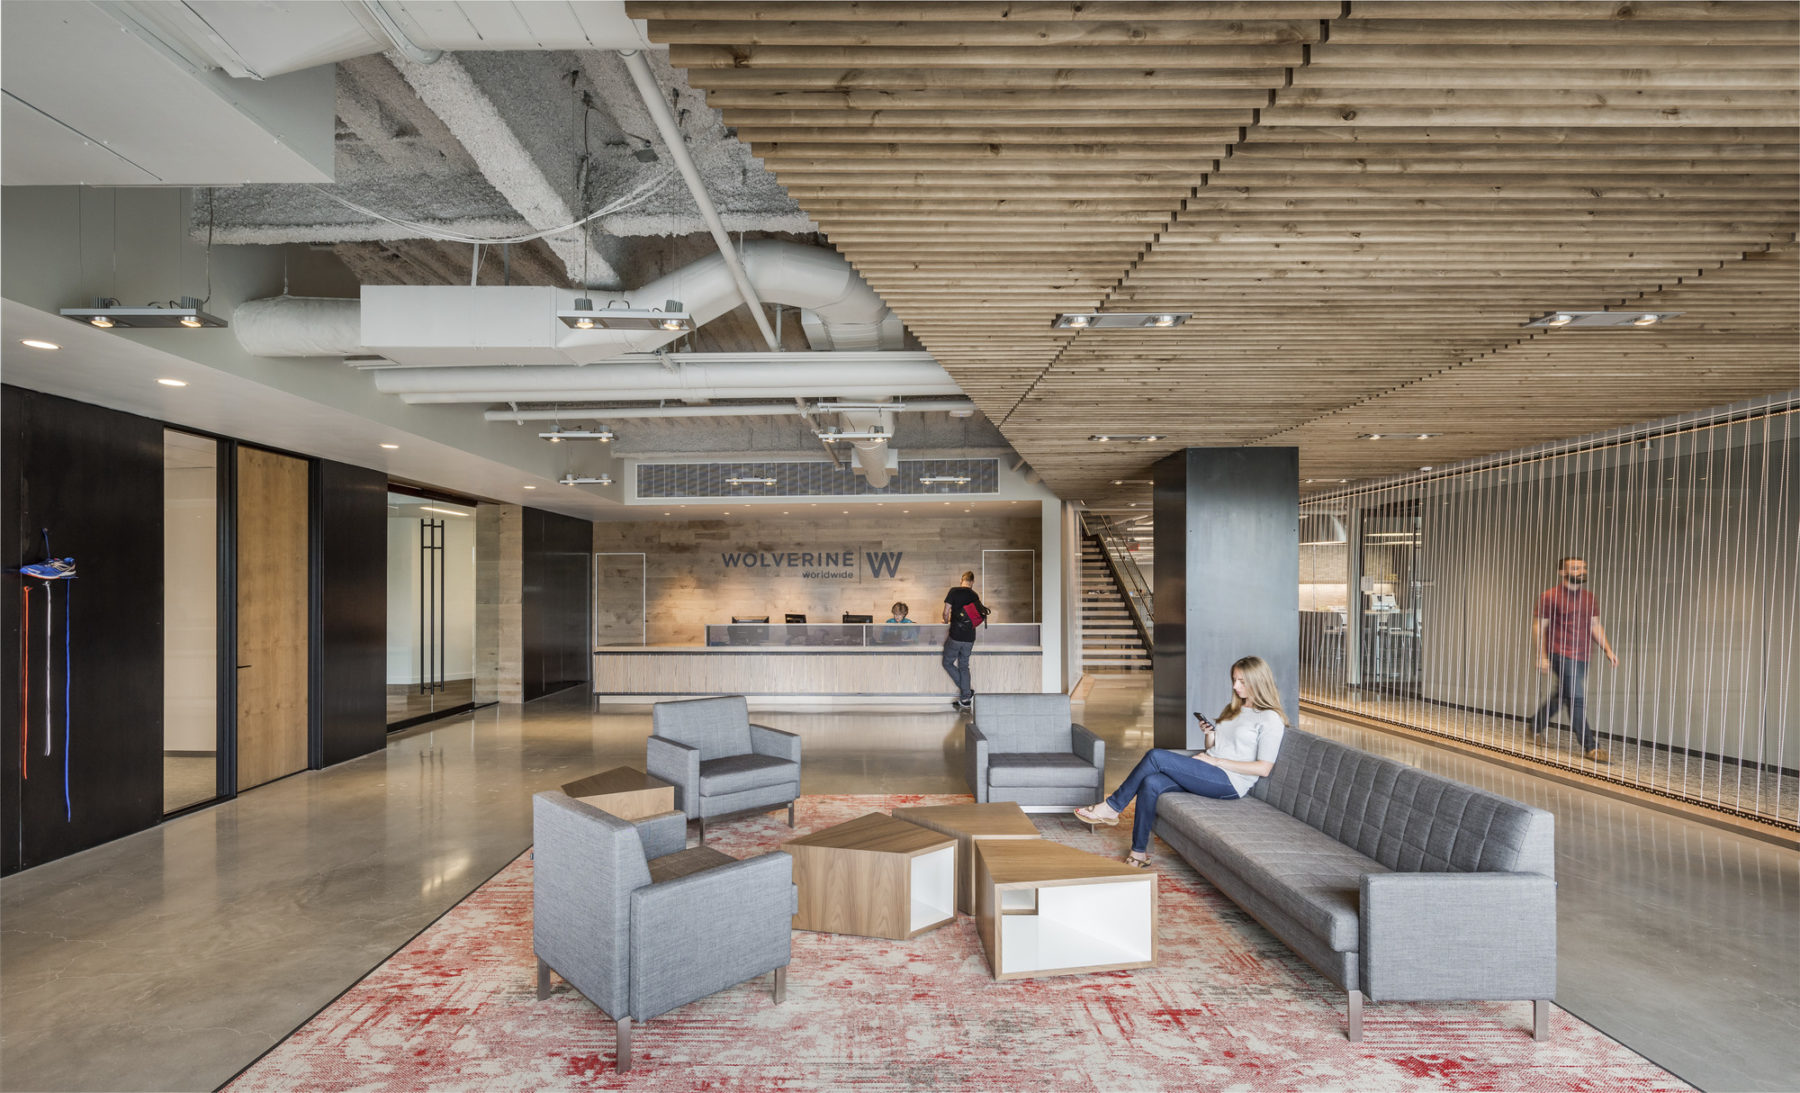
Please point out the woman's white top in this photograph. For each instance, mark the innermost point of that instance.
(1253, 736)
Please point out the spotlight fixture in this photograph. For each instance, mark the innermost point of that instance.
(560, 434)
(1556, 320)
(1141, 438)
(38, 343)
(107, 313)
(832, 436)
(749, 481)
(945, 480)
(669, 318)
(573, 479)
(1119, 320)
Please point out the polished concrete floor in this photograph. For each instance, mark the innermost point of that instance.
(172, 958)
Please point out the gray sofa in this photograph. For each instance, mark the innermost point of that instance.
(1395, 884)
(640, 925)
(1026, 748)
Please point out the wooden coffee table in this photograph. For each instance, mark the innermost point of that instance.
(988, 820)
(625, 792)
(1043, 908)
(875, 876)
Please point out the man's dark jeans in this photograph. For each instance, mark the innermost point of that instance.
(956, 662)
(1571, 691)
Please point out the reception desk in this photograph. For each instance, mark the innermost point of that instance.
(826, 660)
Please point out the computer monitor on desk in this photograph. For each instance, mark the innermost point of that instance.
(865, 619)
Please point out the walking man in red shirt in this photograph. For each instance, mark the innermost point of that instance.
(1568, 619)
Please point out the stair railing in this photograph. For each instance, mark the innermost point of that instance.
(1110, 538)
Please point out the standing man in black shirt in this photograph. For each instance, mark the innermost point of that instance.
(959, 602)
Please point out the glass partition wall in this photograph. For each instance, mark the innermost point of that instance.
(190, 620)
(1420, 599)
(431, 609)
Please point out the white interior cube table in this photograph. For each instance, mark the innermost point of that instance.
(987, 820)
(1043, 908)
(875, 876)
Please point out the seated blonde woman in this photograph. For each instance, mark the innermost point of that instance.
(1240, 749)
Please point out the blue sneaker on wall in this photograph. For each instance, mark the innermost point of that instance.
(53, 569)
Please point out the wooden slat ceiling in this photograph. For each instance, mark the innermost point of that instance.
(1361, 203)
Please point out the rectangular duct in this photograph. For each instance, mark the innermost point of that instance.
(815, 478)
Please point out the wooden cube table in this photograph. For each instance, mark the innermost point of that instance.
(987, 820)
(1043, 908)
(625, 792)
(875, 876)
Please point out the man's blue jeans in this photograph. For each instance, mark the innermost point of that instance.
(956, 662)
(1158, 772)
(1571, 691)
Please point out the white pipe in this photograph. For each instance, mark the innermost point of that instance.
(871, 455)
(754, 409)
(299, 326)
(651, 92)
(647, 382)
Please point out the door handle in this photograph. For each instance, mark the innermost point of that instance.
(243, 666)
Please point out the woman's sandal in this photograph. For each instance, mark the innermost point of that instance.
(1089, 816)
(1136, 862)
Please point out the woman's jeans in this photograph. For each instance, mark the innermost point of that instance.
(1159, 771)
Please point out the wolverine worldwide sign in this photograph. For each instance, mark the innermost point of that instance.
(818, 565)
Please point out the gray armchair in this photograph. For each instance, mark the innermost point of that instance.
(637, 946)
(718, 762)
(1026, 748)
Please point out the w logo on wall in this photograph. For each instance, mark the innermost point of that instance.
(883, 563)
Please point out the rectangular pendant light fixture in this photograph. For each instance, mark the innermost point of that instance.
(559, 434)
(1120, 320)
(107, 314)
(573, 479)
(586, 317)
(1557, 320)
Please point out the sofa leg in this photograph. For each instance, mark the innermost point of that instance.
(703, 831)
(543, 980)
(781, 984)
(623, 1063)
(790, 814)
(1540, 1019)
(1355, 1012)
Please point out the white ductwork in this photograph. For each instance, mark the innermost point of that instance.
(461, 325)
(872, 455)
(733, 409)
(646, 382)
(299, 326)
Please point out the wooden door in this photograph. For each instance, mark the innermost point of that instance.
(272, 616)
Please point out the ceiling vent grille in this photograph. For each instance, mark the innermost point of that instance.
(813, 478)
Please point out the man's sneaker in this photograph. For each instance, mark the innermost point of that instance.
(1598, 755)
(964, 704)
(53, 569)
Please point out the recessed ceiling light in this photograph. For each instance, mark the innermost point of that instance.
(172, 383)
(1427, 436)
(1426, 468)
(38, 343)
(1141, 438)
(530, 487)
(1370, 436)
(1557, 320)
(1118, 320)
(1646, 319)
(391, 447)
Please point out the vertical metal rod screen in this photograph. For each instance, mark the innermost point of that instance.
(1418, 598)
(431, 606)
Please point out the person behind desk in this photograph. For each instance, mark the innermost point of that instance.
(899, 630)
(1240, 749)
(960, 642)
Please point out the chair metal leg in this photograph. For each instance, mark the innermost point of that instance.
(543, 980)
(623, 1063)
(1540, 1019)
(781, 984)
(1355, 1009)
(790, 814)
(703, 831)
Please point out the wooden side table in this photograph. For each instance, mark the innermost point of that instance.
(1043, 908)
(968, 823)
(875, 876)
(625, 792)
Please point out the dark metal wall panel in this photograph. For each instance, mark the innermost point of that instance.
(1227, 550)
(94, 478)
(350, 636)
(557, 551)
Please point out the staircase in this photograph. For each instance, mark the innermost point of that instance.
(1109, 641)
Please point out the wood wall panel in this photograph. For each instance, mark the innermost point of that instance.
(273, 616)
(649, 672)
(94, 478)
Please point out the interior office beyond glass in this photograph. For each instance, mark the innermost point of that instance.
(1419, 597)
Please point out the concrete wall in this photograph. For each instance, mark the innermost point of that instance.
(692, 581)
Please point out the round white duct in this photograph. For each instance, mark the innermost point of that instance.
(635, 382)
(871, 455)
(299, 326)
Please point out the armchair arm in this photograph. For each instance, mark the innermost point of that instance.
(1089, 747)
(707, 931)
(1486, 936)
(975, 761)
(663, 833)
(678, 765)
(774, 742)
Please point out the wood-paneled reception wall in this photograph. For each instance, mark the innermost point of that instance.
(705, 571)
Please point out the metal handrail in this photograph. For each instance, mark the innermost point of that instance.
(1138, 595)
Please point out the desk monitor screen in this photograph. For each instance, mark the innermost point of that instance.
(749, 618)
(793, 619)
(859, 618)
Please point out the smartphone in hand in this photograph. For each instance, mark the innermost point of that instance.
(1204, 723)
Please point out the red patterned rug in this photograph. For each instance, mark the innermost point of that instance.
(1227, 1006)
